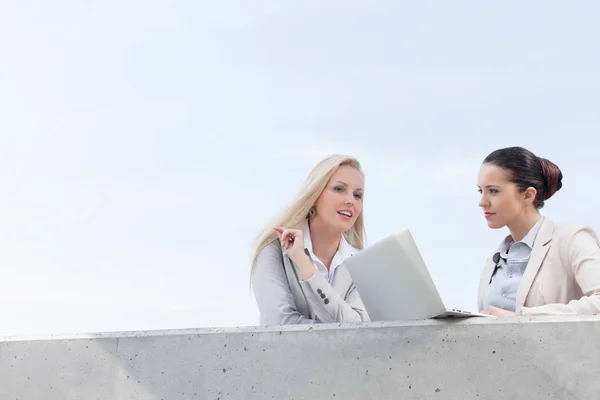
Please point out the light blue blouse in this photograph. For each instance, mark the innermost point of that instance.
(511, 260)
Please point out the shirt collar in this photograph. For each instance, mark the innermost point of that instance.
(345, 249)
(528, 240)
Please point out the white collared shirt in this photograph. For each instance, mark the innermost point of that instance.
(344, 251)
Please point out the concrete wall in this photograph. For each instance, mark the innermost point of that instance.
(478, 358)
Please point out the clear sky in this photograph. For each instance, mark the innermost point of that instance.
(143, 144)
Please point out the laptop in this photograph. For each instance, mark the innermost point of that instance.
(394, 282)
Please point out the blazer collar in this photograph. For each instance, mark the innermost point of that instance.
(540, 248)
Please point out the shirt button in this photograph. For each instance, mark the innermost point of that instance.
(504, 294)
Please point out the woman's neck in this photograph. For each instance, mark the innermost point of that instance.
(325, 242)
(521, 227)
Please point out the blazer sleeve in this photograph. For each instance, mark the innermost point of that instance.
(581, 252)
(274, 298)
(329, 306)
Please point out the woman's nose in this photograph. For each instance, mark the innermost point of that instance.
(482, 201)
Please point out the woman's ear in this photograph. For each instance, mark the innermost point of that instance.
(529, 195)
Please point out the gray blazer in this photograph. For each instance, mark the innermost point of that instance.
(283, 298)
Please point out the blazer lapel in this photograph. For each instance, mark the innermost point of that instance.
(297, 291)
(538, 253)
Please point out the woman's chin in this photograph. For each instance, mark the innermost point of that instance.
(494, 224)
(344, 226)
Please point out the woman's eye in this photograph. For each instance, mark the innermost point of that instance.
(358, 196)
(338, 189)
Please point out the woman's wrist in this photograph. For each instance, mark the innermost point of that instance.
(305, 266)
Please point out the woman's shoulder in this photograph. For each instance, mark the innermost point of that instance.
(573, 238)
(568, 230)
(271, 251)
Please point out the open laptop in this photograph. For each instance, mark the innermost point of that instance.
(394, 283)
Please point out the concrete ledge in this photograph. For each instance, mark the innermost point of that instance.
(475, 358)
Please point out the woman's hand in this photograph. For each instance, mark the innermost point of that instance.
(292, 242)
(499, 312)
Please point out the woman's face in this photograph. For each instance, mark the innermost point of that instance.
(501, 201)
(341, 202)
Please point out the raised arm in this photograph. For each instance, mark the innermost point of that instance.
(328, 305)
(272, 292)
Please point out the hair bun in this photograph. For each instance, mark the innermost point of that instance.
(552, 177)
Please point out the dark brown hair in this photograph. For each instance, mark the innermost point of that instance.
(528, 170)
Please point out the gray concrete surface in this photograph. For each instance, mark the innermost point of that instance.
(477, 358)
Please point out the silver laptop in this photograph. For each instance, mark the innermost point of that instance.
(394, 283)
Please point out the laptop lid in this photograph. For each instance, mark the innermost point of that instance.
(393, 281)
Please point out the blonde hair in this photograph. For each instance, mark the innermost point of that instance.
(295, 214)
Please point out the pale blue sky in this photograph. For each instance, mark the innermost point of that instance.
(144, 144)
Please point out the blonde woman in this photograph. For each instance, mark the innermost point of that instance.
(298, 273)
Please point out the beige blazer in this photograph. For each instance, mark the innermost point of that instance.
(284, 298)
(563, 273)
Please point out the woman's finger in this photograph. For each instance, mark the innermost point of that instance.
(294, 233)
(287, 236)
